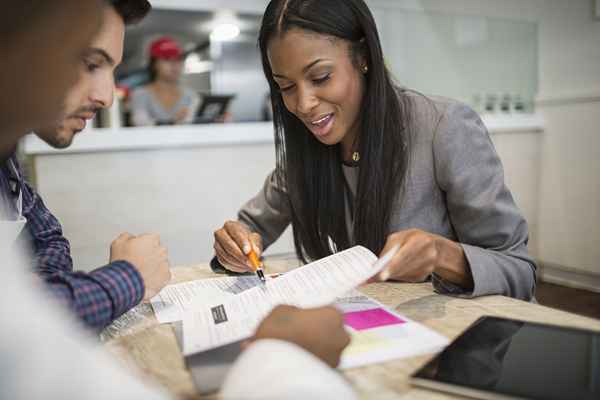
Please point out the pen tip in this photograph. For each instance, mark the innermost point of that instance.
(261, 275)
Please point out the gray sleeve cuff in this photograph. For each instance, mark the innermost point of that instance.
(442, 286)
(485, 280)
(268, 213)
(490, 276)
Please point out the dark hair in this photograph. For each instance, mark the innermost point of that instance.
(152, 72)
(132, 11)
(312, 172)
(16, 12)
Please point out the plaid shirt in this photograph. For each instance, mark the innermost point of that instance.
(98, 297)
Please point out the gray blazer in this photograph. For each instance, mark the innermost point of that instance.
(454, 188)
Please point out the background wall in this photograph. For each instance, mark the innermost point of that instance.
(569, 100)
(467, 57)
(184, 194)
(520, 154)
(239, 71)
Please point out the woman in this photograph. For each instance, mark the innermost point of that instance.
(361, 161)
(164, 101)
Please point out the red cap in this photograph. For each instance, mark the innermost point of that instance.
(165, 48)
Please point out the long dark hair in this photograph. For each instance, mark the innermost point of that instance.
(312, 172)
(152, 72)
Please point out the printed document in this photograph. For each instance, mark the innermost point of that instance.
(174, 301)
(379, 334)
(315, 284)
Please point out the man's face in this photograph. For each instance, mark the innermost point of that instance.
(42, 64)
(95, 86)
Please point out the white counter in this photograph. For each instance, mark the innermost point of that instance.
(163, 137)
(159, 137)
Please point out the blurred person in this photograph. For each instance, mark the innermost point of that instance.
(363, 161)
(164, 101)
(138, 266)
(40, 345)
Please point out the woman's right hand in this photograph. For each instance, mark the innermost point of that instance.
(233, 243)
(181, 115)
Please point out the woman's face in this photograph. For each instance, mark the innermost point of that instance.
(320, 84)
(169, 70)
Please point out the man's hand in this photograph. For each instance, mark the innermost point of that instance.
(148, 256)
(319, 330)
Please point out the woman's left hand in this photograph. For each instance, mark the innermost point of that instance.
(421, 254)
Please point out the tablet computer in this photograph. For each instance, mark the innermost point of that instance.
(497, 358)
(212, 108)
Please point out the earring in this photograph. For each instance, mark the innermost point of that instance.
(365, 69)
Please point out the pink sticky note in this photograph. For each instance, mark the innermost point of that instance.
(361, 320)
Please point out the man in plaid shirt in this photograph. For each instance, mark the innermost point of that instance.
(138, 266)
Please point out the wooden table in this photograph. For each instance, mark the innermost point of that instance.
(137, 339)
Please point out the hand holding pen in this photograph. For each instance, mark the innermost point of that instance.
(238, 249)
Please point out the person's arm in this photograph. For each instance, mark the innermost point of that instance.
(192, 104)
(268, 213)
(45, 353)
(97, 297)
(491, 231)
(277, 369)
(260, 222)
(292, 355)
(139, 108)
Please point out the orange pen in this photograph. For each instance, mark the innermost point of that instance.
(257, 265)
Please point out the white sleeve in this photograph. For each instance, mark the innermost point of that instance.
(275, 369)
(44, 353)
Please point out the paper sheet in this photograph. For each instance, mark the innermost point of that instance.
(379, 334)
(174, 301)
(313, 285)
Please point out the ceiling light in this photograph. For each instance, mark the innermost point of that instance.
(225, 32)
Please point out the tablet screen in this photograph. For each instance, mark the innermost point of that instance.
(518, 359)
